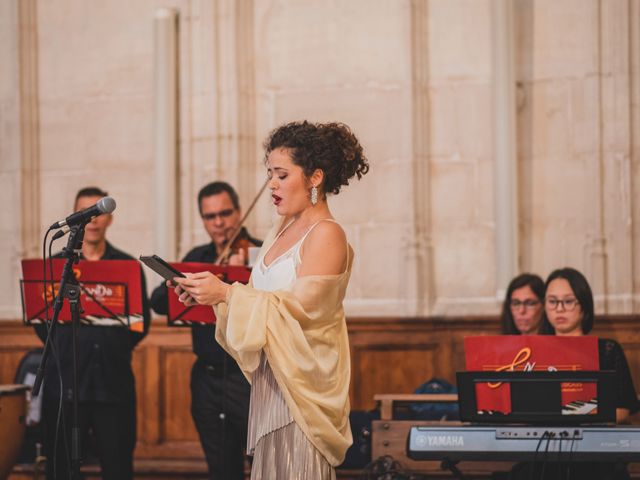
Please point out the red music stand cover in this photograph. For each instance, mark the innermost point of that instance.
(180, 315)
(110, 292)
(522, 353)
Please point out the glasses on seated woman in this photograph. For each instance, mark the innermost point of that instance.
(567, 304)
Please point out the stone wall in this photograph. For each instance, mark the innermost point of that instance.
(413, 78)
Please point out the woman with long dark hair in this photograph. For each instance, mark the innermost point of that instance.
(523, 305)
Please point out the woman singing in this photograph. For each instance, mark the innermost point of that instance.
(287, 328)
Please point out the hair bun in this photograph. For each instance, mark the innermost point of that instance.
(331, 147)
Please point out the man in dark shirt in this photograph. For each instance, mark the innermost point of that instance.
(219, 391)
(106, 386)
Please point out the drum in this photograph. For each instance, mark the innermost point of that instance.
(13, 410)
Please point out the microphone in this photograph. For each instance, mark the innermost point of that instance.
(104, 205)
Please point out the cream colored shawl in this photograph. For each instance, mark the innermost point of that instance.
(303, 333)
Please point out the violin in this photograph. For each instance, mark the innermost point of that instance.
(241, 244)
(239, 239)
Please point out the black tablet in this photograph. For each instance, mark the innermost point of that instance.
(161, 267)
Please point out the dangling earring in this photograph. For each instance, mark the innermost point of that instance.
(314, 195)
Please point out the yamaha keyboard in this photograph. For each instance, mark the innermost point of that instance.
(524, 443)
(579, 407)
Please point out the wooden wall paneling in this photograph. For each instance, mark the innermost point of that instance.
(632, 352)
(397, 355)
(175, 373)
(145, 368)
(389, 368)
(389, 355)
(164, 410)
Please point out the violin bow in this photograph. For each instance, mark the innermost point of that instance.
(227, 248)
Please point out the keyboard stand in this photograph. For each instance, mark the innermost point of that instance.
(389, 437)
(450, 465)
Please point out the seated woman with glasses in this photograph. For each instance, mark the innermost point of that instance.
(569, 311)
(522, 306)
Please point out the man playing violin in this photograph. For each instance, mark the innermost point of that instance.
(219, 391)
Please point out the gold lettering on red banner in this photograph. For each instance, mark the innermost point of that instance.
(521, 357)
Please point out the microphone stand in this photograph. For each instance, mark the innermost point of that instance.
(69, 289)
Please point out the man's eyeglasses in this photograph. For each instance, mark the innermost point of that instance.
(568, 304)
(222, 214)
(530, 303)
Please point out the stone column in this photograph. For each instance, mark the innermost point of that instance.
(610, 252)
(634, 83)
(421, 249)
(165, 132)
(20, 233)
(236, 157)
(29, 128)
(504, 129)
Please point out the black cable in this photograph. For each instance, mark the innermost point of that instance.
(60, 417)
(44, 277)
(225, 462)
(546, 454)
(47, 324)
(535, 455)
(561, 437)
(570, 460)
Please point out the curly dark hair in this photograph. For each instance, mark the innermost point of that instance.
(331, 147)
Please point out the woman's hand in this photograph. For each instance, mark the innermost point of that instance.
(183, 296)
(202, 288)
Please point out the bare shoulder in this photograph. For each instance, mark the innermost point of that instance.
(324, 251)
(327, 231)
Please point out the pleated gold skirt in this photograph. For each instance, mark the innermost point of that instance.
(281, 450)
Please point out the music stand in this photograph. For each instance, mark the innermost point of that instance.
(118, 299)
(110, 292)
(180, 315)
(539, 353)
(536, 397)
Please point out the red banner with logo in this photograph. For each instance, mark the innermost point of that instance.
(110, 292)
(526, 353)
